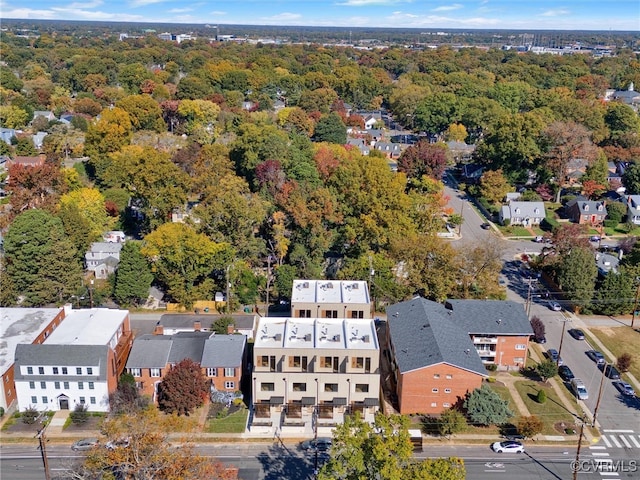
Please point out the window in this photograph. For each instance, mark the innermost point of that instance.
(89, 371)
(212, 372)
(80, 386)
(446, 405)
(56, 385)
(521, 346)
(267, 387)
(43, 385)
(32, 385)
(45, 400)
(299, 387)
(92, 400)
(78, 370)
(34, 399)
(367, 365)
(55, 370)
(447, 390)
(329, 362)
(436, 375)
(41, 370)
(434, 404)
(64, 370)
(304, 313)
(330, 387)
(82, 400)
(154, 372)
(66, 385)
(29, 370)
(449, 377)
(267, 361)
(135, 372)
(362, 387)
(230, 385)
(91, 385)
(229, 372)
(357, 314)
(330, 314)
(357, 362)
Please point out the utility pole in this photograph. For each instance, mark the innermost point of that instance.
(577, 461)
(564, 325)
(595, 410)
(91, 292)
(43, 452)
(371, 274)
(268, 282)
(228, 288)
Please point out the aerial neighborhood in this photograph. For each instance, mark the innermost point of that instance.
(354, 245)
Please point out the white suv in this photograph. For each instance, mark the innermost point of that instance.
(579, 389)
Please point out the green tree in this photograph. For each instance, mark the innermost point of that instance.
(541, 397)
(382, 451)
(598, 170)
(485, 407)
(221, 325)
(41, 263)
(631, 179)
(330, 129)
(284, 277)
(90, 204)
(436, 112)
(529, 427)
(133, 277)
(12, 116)
(623, 123)
(451, 421)
(184, 260)
(546, 370)
(183, 388)
(615, 293)
(576, 275)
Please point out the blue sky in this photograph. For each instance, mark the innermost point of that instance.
(490, 14)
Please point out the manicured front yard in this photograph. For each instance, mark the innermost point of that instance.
(619, 340)
(234, 423)
(550, 412)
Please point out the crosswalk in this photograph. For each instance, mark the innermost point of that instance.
(601, 458)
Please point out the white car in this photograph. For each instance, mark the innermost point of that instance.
(508, 446)
(555, 306)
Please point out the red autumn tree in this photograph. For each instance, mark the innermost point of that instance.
(424, 158)
(183, 388)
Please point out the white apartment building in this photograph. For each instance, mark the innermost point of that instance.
(314, 368)
(330, 299)
(78, 363)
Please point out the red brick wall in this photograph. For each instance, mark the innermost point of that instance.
(507, 346)
(415, 389)
(219, 380)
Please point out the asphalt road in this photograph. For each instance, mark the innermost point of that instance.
(275, 462)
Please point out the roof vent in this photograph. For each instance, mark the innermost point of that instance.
(277, 337)
(366, 339)
(305, 285)
(307, 337)
(499, 321)
(335, 338)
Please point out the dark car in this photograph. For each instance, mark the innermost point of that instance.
(321, 443)
(565, 373)
(541, 340)
(576, 333)
(596, 356)
(485, 226)
(553, 354)
(610, 372)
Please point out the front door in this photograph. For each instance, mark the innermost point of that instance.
(64, 402)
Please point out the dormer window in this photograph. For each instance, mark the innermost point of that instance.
(536, 211)
(600, 207)
(517, 211)
(585, 208)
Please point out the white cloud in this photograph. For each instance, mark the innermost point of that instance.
(369, 3)
(144, 3)
(448, 8)
(555, 13)
(217, 12)
(180, 10)
(83, 5)
(283, 17)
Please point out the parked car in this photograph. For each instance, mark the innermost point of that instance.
(579, 389)
(541, 340)
(555, 306)
(84, 444)
(539, 239)
(576, 333)
(509, 446)
(553, 354)
(624, 388)
(596, 356)
(485, 226)
(610, 371)
(595, 238)
(565, 373)
(321, 443)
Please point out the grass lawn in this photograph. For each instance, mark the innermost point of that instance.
(234, 423)
(514, 231)
(550, 412)
(505, 394)
(620, 340)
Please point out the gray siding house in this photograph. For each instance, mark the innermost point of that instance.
(522, 213)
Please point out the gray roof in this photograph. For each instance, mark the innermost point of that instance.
(188, 345)
(423, 334)
(61, 355)
(106, 247)
(523, 209)
(491, 317)
(223, 351)
(173, 320)
(150, 351)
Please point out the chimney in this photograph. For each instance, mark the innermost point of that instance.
(197, 326)
(231, 329)
(158, 330)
